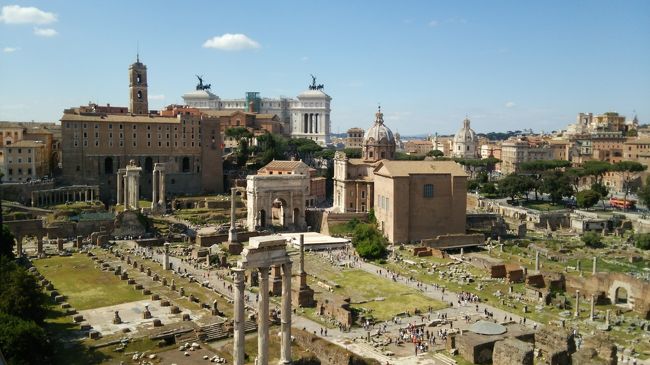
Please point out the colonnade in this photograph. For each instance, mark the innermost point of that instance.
(128, 186)
(261, 254)
(311, 122)
(75, 193)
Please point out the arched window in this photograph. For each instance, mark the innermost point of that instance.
(186, 164)
(148, 164)
(108, 165)
(138, 79)
(139, 94)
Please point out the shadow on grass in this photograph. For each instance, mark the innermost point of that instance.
(68, 348)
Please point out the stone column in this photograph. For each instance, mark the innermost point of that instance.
(285, 349)
(136, 191)
(593, 269)
(154, 190)
(578, 266)
(301, 268)
(263, 318)
(125, 186)
(232, 232)
(19, 247)
(120, 187)
(592, 311)
(577, 312)
(607, 318)
(238, 345)
(166, 257)
(536, 260)
(161, 192)
(39, 245)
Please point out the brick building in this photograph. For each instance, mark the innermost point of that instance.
(97, 141)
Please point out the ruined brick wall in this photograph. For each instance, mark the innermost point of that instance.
(328, 353)
(513, 352)
(638, 291)
(556, 345)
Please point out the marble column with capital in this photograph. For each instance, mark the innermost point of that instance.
(285, 349)
(263, 318)
(239, 339)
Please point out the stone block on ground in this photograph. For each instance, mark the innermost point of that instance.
(513, 352)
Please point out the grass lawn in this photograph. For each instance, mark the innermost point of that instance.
(84, 285)
(541, 205)
(362, 286)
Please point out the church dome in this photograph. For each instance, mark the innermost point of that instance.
(465, 134)
(379, 133)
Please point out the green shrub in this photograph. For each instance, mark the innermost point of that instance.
(642, 241)
(369, 242)
(591, 239)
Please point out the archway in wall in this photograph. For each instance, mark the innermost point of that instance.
(148, 164)
(621, 296)
(278, 213)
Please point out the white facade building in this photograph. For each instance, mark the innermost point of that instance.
(307, 116)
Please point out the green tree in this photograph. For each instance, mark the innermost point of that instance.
(407, 157)
(557, 185)
(644, 192)
(642, 241)
(597, 169)
(435, 153)
(352, 152)
(243, 137)
(270, 147)
(369, 242)
(591, 239)
(602, 190)
(23, 342)
(20, 296)
(304, 148)
(628, 170)
(489, 189)
(513, 186)
(6, 243)
(587, 198)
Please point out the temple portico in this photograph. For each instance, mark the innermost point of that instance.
(261, 254)
(158, 203)
(128, 186)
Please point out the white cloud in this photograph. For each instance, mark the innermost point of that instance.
(157, 97)
(510, 104)
(434, 23)
(16, 14)
(10, 49)
(45, 32)
(231, 42)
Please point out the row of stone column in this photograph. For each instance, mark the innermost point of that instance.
(263, 316)
(61, 196)
(310, 122)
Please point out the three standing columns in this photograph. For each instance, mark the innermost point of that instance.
(263, 316)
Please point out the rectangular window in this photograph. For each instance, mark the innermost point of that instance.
(428, 190)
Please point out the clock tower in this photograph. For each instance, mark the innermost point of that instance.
(138, 101)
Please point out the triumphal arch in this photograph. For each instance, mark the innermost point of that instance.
(276, 201)
(261, 254)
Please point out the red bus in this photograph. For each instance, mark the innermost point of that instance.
(622, 204)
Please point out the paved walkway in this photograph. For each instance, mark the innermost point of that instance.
(346, 339)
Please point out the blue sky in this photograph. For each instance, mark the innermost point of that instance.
(506, 64)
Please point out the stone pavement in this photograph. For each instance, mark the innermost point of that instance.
(346, 339)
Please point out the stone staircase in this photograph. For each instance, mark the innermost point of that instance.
(442, 359)
(216, 331)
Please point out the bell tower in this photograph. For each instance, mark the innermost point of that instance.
(138, 99)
